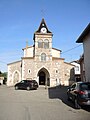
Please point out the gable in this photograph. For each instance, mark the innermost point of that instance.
(28, 52)
(56, 53)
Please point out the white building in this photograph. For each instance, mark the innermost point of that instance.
(1, 80)
(85, 39)
(41, 62)
(76, 70)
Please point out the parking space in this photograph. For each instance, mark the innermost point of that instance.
(41, 104)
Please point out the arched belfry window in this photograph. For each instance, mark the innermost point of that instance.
(40, 44)
(46, 43)
(43, 57)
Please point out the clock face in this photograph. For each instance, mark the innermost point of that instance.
(43, 30)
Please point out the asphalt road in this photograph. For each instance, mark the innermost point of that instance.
(41, 104)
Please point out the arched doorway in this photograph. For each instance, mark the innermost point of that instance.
(44, 77)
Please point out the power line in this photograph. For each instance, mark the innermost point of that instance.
(70, 49)
(61, 53)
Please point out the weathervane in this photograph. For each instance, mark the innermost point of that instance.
(42, 10)
(42, 13)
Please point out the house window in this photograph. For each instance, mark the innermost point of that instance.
(40, 44)
(77, 68)
(43, 57)
(46, 44)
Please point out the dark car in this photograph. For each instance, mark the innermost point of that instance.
(26, 84)
(79, 93)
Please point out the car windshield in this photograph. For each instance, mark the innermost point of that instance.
(85, 86)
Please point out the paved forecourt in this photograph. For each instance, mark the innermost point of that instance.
(41, 104)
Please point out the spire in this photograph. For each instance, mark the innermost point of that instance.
(42, 29)
(43, 24)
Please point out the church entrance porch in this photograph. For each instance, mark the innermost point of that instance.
(44, 76)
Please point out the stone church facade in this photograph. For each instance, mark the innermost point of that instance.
(41, 62)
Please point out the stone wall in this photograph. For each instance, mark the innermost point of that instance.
(14, 73)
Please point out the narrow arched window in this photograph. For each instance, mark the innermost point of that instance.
(29, 71)
(40, 44)
(46, 43)
(43, 57)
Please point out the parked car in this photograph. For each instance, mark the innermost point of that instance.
(26, 84)
(79, 93)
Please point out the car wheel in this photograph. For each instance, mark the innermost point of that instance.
(68, 98)
(16, 87)
(77, 106)
(35, 88)
(28, 88)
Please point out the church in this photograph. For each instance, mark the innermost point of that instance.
(41, 62)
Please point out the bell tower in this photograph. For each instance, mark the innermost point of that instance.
(43, 43)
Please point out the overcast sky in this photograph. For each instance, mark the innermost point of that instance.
(19, 19)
